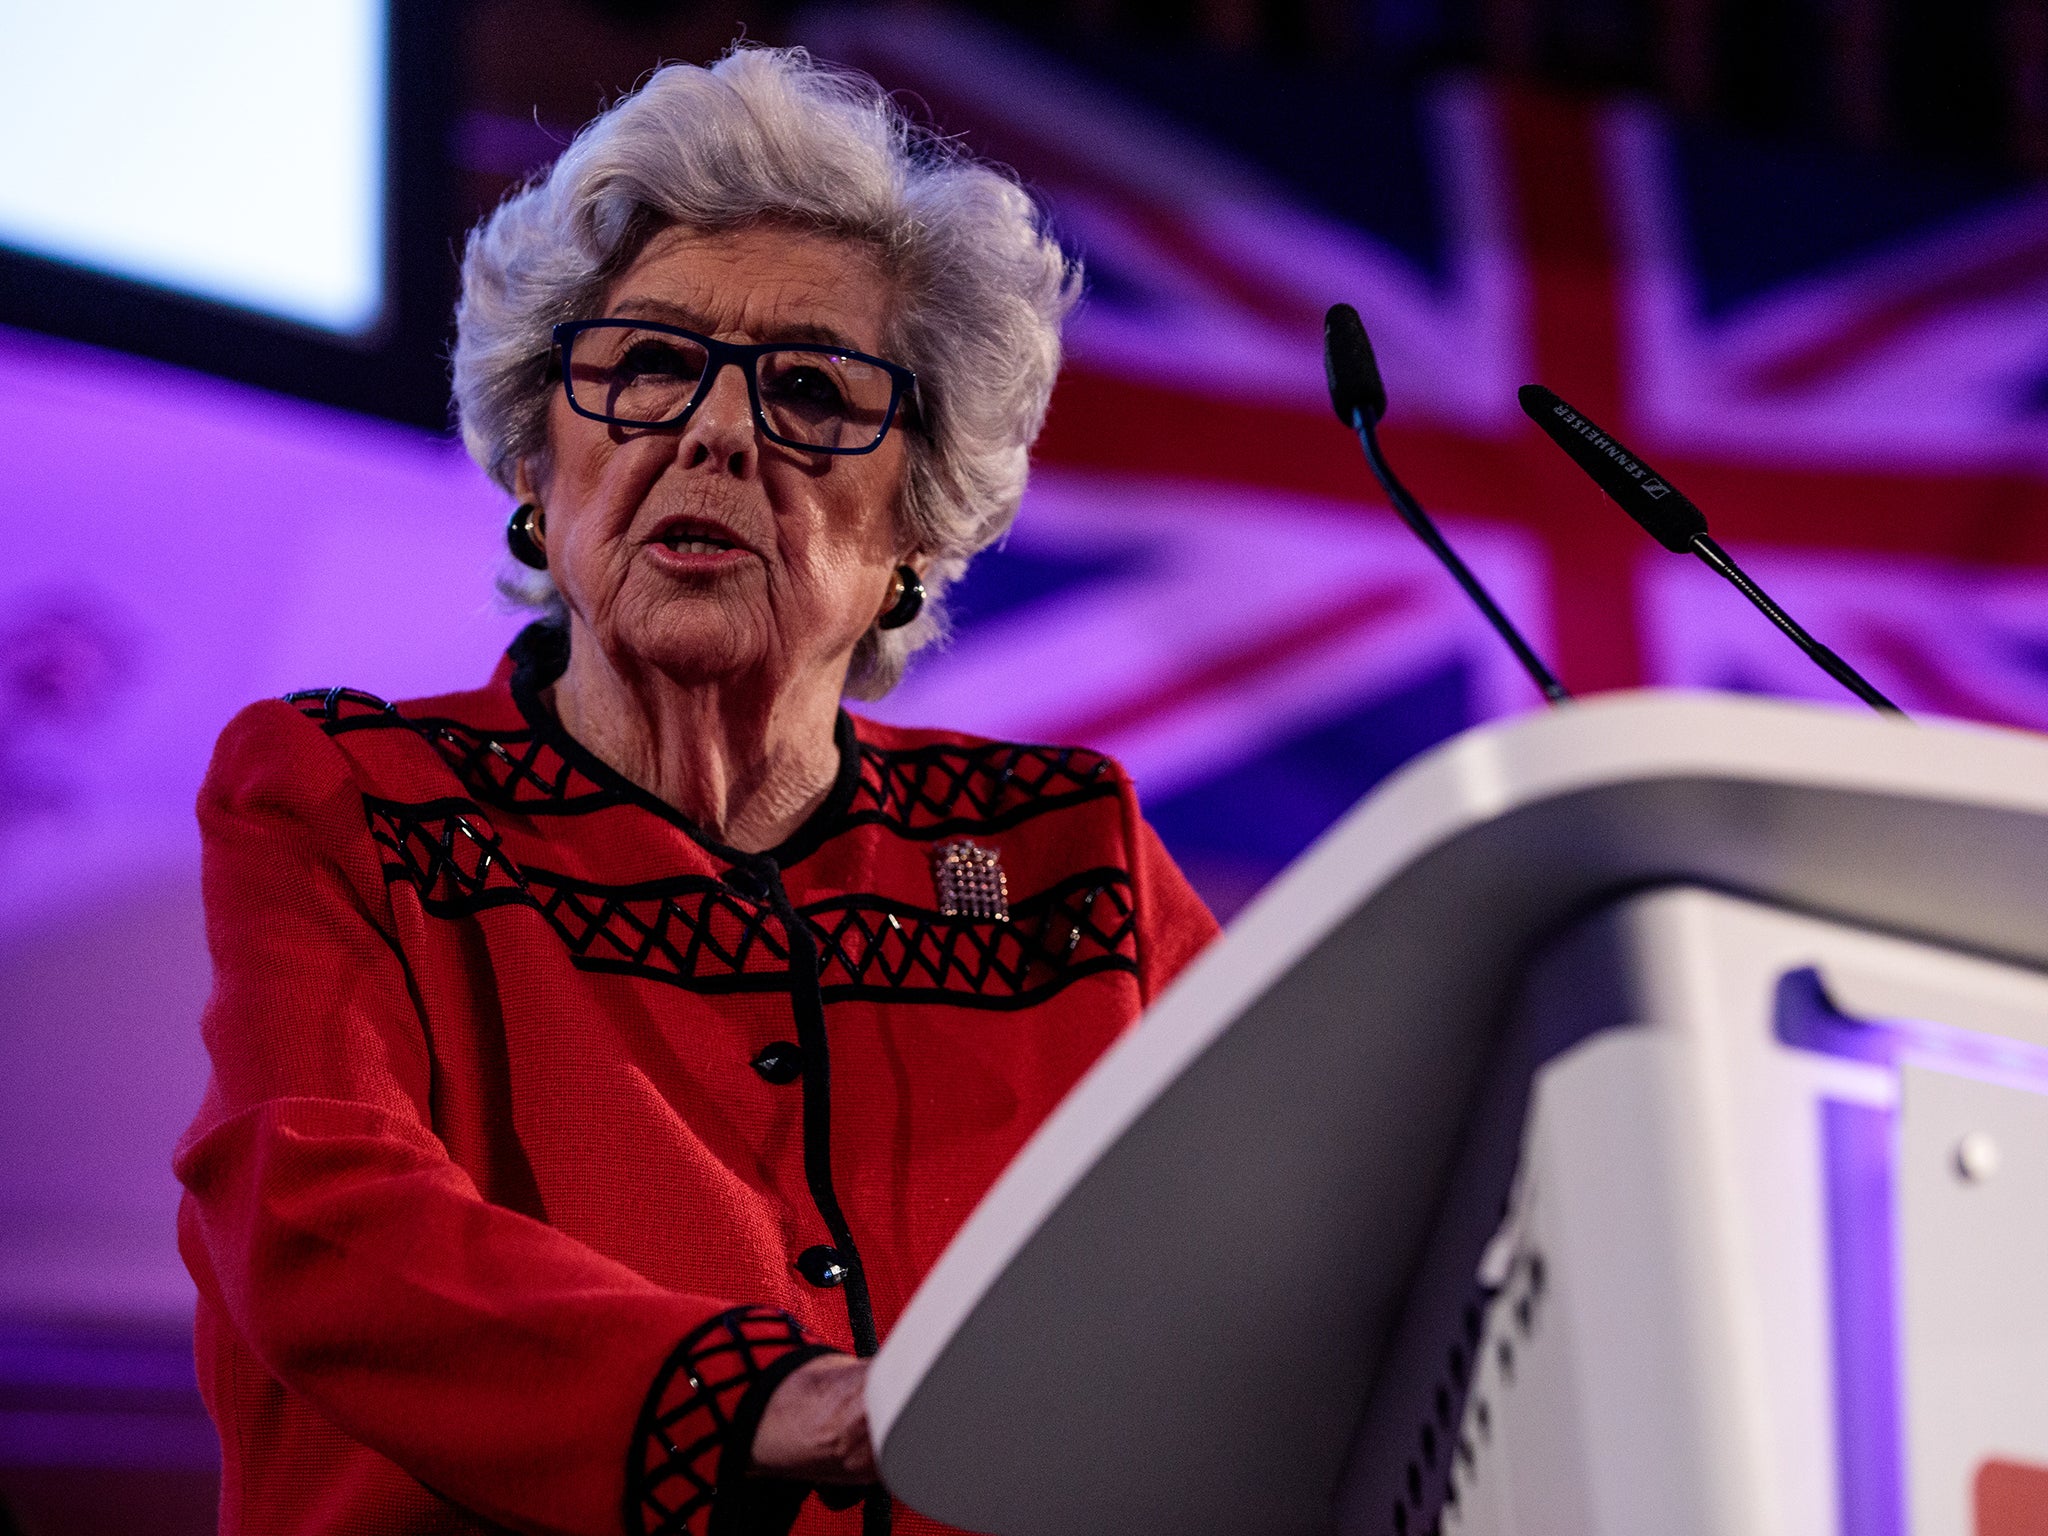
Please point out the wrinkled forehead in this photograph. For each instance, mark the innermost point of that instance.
(761, 283)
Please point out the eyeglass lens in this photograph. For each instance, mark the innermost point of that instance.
(811, 396)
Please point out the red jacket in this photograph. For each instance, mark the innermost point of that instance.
(545, 1135)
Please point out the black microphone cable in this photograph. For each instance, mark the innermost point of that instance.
(1667, 516)
(1359, 397)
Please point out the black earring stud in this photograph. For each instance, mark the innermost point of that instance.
(906, 599)
(524, 533)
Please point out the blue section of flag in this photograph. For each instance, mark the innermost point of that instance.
(1007, 579)
(1235, 831)
(1760, 213)
(1356, 147)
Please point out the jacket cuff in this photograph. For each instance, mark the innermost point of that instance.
(686, 1471)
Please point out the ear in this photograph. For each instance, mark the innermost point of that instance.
(526, 480)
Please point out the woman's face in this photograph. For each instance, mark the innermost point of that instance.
(706, 551)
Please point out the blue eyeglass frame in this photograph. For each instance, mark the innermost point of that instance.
(742, 355)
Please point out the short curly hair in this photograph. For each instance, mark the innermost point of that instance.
(772, 135)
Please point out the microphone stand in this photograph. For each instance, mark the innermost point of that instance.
(1719, 560)
(1425, 529)
(1668, 515)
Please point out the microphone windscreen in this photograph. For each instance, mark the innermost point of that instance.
(1639, 490)
(1355, 385)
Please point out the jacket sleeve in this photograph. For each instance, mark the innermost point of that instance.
(504, 1364)
(1174, 924)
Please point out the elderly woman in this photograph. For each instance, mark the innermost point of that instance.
(602, 1056)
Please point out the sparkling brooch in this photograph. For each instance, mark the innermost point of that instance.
(970, 881)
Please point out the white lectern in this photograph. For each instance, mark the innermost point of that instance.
(1630, 1119)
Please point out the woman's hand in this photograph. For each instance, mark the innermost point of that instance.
(815, 1429)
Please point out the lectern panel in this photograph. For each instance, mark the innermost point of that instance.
(1973, 1244)
(1172, 1311)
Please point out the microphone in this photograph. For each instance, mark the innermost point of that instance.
(1359, 397)
(1673, 521)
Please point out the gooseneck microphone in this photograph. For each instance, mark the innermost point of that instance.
(1673, 521)
(1359, 397)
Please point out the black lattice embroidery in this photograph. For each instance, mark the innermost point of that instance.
(693, 1414)
(449, 850)
(939, 790)
(931, 791)
(331, 706)
(691, 930)
(696, 932)
(515, 770)
(875, 948)
(519, 770)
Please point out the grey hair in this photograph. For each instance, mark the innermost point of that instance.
(771, 135)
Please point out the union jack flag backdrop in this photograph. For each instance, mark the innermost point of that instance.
(1844, 362)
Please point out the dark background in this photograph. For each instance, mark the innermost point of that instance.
(487, 90)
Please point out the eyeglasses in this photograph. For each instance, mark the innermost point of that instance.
(634, 373)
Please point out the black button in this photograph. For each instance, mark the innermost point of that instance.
(822, 1266)
(748, 883)
(780, 1062)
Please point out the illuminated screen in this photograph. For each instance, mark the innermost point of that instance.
(230, 149)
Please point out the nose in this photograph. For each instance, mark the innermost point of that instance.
(720, 432)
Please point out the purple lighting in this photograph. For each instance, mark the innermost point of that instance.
(189, 546)
(1807, 1021)
(1857, 1151)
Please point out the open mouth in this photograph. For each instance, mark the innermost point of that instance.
(690, 537)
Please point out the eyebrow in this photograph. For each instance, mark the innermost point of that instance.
(669, 313)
